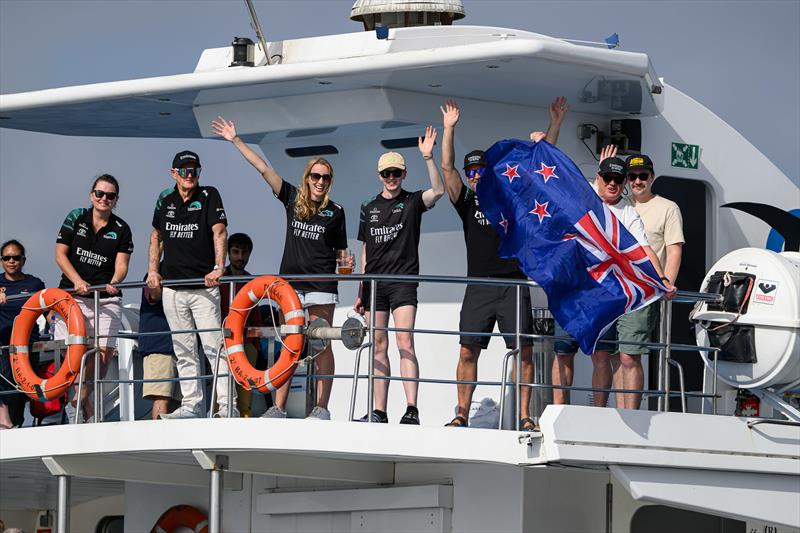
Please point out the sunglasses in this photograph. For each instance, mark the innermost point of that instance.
(315, 177)
(99, 194)
(644, 176)
(391, 172)
(7, 258)
(473, 173)
(185, 171)
(619, 179)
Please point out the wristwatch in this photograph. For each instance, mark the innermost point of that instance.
(217, 267)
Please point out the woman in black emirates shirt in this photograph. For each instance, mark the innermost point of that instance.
(94, 247)
(315, 233)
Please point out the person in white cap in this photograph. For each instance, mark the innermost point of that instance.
(389, 227)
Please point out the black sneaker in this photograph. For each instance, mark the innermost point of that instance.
(378, 416)
(411, 416)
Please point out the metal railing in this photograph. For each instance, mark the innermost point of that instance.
(665, 347)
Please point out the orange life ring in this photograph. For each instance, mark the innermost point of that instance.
(29, 382)
(294, 317)
(181, 516)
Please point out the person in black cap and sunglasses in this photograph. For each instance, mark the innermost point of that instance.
(636, 326)
(189, 221)
(94, 247)
(316, 234)
(485, 305)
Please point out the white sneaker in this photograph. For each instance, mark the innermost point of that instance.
(223, 412)
(180, 412)
(319, 413)
(274, 412)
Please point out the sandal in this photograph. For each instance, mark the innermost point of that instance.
(527, 424)
(458, 422)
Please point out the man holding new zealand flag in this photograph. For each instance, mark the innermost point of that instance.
(485, 305)
(574, 242)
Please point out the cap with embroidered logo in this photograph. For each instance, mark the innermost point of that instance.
(391, 160)
(182, 159)
(612, 165)
(640, 161)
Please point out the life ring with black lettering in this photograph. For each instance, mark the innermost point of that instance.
(294, 320)
(179, 516)
(30, 383)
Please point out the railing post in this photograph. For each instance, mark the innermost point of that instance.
(373, 286)
(518, 359)
(661, 357)
(503, 383)
(714, 385)
(62, 521)
(667, 351)
(98, 393)
(354, 390)
(231, 383)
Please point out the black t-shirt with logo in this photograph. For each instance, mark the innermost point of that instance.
(186, 230)
(310, 245)
(482, 240)
(390, 229)
(92, 255)
(8, 312)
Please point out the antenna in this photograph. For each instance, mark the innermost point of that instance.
(257, 28)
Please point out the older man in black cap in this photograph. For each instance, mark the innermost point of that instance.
(635, 327)
(189, 222)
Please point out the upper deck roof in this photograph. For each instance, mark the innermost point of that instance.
(475, 62)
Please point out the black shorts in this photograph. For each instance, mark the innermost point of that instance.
(486, 304)
(391, 295)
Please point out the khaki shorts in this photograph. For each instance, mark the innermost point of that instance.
(638, 327)
(160, 366)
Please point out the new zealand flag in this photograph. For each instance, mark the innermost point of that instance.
(565, 238)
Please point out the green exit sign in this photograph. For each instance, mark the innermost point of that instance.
(685, 155)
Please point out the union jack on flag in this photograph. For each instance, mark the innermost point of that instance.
(565, 238)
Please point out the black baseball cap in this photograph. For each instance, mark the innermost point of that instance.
(640, 161)
(183, 158)
(475, 157)
(612, 165)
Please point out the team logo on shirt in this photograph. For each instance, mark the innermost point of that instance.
(307, 231)
(195, 206)
(181, 231)
(385, 233)
(110, 235)
(90, 258)
(170, 214)
(399, 207)
(373, 214)
(171, 206)
(326, 213)
(82, 228)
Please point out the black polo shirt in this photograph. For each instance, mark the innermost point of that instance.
(310, 245)
(186, 231)
(482, 240)
(390, 229)
(92, 255)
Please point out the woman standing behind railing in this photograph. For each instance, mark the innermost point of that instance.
(94, 247)
(13, 282)
(315, 234)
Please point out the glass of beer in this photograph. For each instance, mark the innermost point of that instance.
(344, 262)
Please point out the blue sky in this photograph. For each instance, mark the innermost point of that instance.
(737, 58)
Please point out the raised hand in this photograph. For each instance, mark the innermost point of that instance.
(608, 151)
(537, 136)
(558, 110)
(450, 114)
(426, 144)
(224, 128)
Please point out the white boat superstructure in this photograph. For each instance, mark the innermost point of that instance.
(349, 97)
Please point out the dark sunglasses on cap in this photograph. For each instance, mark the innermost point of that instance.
(619, 179)
(185, 171)
(316, 176)
(99, 194)
(391, 172)
(644, 176)
(7, 258)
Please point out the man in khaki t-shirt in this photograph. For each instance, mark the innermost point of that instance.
(662, 219)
